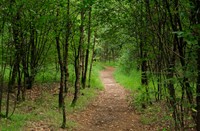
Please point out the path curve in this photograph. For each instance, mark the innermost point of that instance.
(110, 111)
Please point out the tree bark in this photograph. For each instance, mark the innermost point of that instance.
(65, 57)
(171, 67)
(61, 96)
(92, 59)
(78, 60)
(88, 47)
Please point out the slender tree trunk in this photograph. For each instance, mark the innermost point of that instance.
(61, 71)
(88, 48)
(77, 81)
(19, 81)
(65, 58)
(11, 83)
(3, 67)
(92, 60)
(170, 76)
(31, 76)
(17, 60)
(143, 55)
(144, 78)
(26, 75)
(61, 96)
(171, 89)
(77, 60)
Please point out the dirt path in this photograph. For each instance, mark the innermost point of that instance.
(110, 111)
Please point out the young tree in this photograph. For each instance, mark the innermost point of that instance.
(88, 46)
(78, 57)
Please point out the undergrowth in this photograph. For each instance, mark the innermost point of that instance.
(45, 106)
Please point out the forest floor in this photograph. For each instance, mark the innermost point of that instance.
(110, 111)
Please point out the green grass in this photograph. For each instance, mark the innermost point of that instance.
(47, 74)
(14, 123)
(95, 81)
(130, 80)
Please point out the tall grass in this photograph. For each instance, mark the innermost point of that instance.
(130, 80)
(95, 77)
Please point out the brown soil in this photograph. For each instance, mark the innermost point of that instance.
(110, 111)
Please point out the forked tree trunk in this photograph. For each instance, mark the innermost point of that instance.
(61, 89)
(13, 73)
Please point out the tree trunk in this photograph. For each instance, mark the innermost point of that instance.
(19, 81)
(88, 47)
(144, 79)
(65, 57)
(92, 60)
(77, 81)
(77, 60)
(61, 96)
(61, 62)
(171, 68)
(61, 71)
(13, 73)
